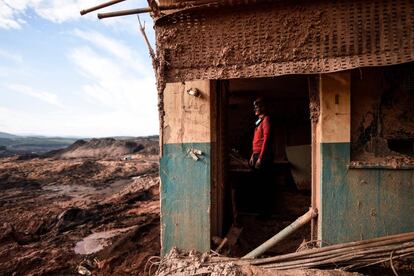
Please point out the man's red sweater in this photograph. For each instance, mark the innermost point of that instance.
(261, 137)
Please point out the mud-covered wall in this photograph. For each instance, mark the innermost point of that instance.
(383, 114)
(362, 203)
(186, 166)
(362, 200)
(283, 37)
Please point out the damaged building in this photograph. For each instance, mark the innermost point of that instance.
(338, 80)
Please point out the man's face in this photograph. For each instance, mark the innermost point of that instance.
(258, 109)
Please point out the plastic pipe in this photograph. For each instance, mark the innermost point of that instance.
(301, 221)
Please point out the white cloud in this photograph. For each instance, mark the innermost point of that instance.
(123, 53)
(10, 56)
(112, 82)
(59, 11)
(12, 12)
(119, 83)
(117, 88)
(46, 97)
(7, 17)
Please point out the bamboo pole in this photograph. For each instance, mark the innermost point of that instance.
(179, 5)
(347, 257)
(312, 213)
(98, 7)
(339, 262)
(376, 241)
(335, 257)
(124, 12)
(382, 245)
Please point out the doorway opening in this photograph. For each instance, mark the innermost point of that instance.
(261, 210)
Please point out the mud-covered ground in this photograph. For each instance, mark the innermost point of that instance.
(74, 216)
(100, 216)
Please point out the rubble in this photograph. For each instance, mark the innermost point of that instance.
(178, 263)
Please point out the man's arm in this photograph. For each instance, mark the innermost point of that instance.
(266, 134)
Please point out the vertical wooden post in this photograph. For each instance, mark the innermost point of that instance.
(314, 108)
(219, 154)
(185, 167)
(333, 129)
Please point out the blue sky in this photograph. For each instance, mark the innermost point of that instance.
(66, 75)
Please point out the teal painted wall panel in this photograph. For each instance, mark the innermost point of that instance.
(362, 203)
(185, 197)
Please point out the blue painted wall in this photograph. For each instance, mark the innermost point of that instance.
(362, 203)
(185, 197)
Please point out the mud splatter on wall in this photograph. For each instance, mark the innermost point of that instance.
(284, 37)
(383, 113)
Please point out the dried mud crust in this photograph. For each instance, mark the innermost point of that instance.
(226, 59)
(194, 263)
(91, 172)
(395, 161)
(277, 38)
(383, 113)
(47, 206)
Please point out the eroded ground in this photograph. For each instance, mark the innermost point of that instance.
(58, 214)
(90, 216)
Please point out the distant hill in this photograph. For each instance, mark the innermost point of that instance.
(107, 148)
(7, 135)
(61, 147)
(11, 144)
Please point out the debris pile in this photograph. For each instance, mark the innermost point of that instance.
(397, 251)
(193, 263)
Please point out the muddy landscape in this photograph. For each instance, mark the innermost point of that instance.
(93, 209)
(60, 209)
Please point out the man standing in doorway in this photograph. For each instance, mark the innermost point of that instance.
(261, 155)
(262, 158)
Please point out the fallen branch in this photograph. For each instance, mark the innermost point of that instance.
(144, 34)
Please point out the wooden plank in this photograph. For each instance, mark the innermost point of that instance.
(215, 229)
(185, 176)
(185, 198)
(187, 118)
(219, 154)
(333, 126)
(167, 2)
(335, 107)
(360, 204)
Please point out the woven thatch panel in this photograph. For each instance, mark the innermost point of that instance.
(285, 38)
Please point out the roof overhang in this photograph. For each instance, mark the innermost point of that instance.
(297, 37)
